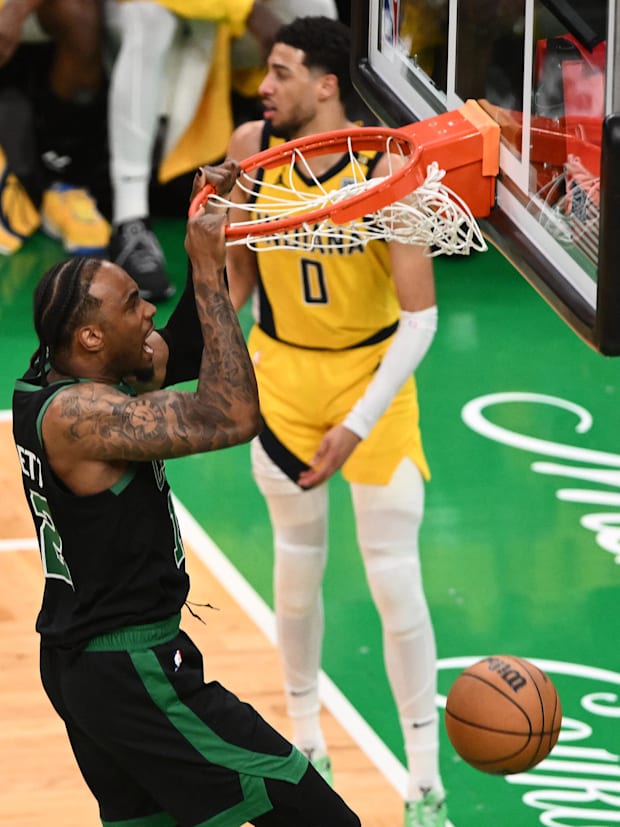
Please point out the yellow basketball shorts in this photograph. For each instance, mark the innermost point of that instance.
(304, 393)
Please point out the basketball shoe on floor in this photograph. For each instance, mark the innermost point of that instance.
(19, 218)
(71, 215)
(135, 248)
(429, 811)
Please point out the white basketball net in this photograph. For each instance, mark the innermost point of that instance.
(432, 215)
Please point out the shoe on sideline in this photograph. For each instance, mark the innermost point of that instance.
(135, 248)
(70, 215)
(19, 218)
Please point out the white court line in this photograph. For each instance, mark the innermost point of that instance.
(256, 608)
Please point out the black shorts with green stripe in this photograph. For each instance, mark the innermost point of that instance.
(159, 747)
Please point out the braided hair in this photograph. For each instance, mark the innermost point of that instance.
(61, 303)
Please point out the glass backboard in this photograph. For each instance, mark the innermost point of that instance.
(546, 71)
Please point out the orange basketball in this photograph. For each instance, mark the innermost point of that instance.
(503, 715)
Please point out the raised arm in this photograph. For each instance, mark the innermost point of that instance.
(92, 430)
(177, 347)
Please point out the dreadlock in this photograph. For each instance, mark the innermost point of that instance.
(61, 303)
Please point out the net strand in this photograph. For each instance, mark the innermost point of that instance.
(432, 216)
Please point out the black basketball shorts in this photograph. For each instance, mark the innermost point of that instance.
(157, 745)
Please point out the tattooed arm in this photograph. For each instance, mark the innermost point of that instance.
(177, 347)
(92, 430)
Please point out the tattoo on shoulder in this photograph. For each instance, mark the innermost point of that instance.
(110, 417)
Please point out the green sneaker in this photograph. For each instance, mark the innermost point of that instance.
(323, 765)
(430, 811)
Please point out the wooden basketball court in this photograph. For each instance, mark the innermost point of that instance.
(40, 780)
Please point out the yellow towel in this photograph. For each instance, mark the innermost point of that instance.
(233, 12)
(206, 138)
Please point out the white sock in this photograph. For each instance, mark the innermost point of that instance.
(307, 733)
(130, 198)
(421, 751)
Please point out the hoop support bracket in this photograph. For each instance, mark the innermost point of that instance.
(465, 143)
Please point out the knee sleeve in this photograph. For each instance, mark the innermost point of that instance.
(388, 520)
(302, 512)
(299, 522)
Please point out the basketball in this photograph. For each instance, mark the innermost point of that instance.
(503, 715)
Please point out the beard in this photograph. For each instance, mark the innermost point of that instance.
(283, 131)
(290, 128)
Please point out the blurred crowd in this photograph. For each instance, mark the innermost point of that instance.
(108, 106)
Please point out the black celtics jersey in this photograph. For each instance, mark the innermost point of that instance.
(111, 559)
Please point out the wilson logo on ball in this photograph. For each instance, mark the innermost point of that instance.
(508, 673)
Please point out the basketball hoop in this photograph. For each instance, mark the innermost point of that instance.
(413, 204)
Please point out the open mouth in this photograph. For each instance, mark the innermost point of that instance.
(146, 347)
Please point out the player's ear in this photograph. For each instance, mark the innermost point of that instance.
(328, 86)
(90, 337)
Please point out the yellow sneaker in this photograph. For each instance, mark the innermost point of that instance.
(19, 218)
(71, 215)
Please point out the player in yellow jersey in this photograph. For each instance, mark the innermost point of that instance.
(337, 337)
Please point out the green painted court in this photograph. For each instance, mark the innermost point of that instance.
(521, 540)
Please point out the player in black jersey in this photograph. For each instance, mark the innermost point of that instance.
(156, 745)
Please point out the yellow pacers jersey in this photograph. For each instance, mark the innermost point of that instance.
(329, 298)
(324, 321)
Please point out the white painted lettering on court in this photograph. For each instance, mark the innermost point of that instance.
(599, 466)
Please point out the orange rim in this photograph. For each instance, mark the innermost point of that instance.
(391, 189)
